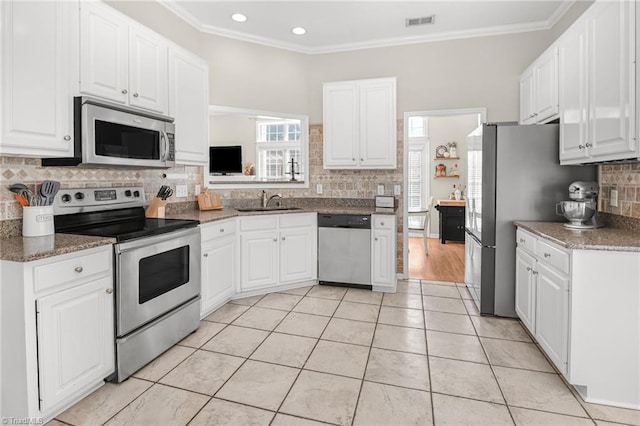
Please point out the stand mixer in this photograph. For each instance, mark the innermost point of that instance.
(581, 209)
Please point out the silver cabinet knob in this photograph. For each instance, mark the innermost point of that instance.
(353, 159)
(205, 255)
(67, 137)
(589, 145)
(535, 272)
(522, 240)
(376, 239)
(135, 95)
(275, 240)
(381, 223)
(528, 268)
(124, 91)
(78, 269)
(109, 290)
(547, 255)
(581, 146)
(284, 238)
(221, 229)
(362, 159)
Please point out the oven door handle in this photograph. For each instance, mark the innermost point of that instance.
(147, 241)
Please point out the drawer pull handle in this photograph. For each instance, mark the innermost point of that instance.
(124, 91)
(135, 95)
(528, 268)
(522, 240)
(109, 290)
(205, 255)
(221, 229)
(535, 272)
(275, 240)
(381, 223)
(78, 269)
(547, 255)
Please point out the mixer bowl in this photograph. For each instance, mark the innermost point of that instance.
(576, 212)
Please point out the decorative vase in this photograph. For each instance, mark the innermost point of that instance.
(453, 152)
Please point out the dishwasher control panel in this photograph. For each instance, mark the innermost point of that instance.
(344, 221)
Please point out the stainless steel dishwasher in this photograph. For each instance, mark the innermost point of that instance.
(344, 249)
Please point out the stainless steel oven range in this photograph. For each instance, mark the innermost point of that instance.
(157, 269)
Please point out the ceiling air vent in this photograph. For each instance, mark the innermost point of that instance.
(412, 22)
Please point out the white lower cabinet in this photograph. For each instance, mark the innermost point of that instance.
(219, 264)
(67, 302)
(383, 253)
(583, 307)
(277, 250)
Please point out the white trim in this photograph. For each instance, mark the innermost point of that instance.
(304, 145)
(174, 7)
(405, 179)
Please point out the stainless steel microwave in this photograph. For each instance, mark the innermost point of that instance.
(111, 135)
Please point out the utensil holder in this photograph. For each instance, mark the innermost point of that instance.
(156, 208)
(37, 221)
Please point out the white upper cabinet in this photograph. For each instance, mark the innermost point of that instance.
(189, 105)
(359, 119)
(597, 85)
(120, 60)
(539, 89)
(39, 57)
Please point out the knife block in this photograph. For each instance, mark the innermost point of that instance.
(156, 208)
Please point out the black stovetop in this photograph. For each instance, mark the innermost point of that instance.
(123, 224)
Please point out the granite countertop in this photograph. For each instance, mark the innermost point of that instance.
(608, 238)
(227, 212)
(27, 249)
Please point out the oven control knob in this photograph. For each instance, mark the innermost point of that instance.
(65, 198)
(127, 193)
(79, 196)
(136, 193)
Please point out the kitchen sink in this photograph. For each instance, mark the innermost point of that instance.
(268, 209)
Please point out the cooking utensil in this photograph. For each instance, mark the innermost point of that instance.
(48, 191)
(18, 188)
(23, 202)
(32, 200)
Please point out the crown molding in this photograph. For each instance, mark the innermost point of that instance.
(174, 7)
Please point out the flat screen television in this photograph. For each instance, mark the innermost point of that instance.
(225, 159)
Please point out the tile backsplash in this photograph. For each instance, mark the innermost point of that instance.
(625, 178)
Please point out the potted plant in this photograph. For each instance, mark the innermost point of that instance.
(453, 149)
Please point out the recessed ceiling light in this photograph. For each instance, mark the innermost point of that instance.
(238, 17)
(298, 31)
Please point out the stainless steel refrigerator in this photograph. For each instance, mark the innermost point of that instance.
(513, 174)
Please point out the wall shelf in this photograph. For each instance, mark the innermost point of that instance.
(446, 158)
(444, 177)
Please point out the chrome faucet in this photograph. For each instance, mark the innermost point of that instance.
(266, 200)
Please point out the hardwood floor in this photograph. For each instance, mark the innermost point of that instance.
(445, 262)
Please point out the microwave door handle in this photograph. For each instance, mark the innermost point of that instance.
(163, 146)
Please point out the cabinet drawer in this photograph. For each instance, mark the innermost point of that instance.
(55, 274)
(552, 256)
(258, 223)
(298, 220)
(383, 222)
(213, 230)
(526, 241)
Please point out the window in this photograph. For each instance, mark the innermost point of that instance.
(416, 186)
(277, 144)
(417, 127)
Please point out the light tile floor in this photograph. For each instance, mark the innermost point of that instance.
(341, 356)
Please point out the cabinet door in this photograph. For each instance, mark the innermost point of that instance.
(573, 94)
(38, 57)
(611, 57)
(552, 315)
(527, 113)
(189, 105)
(103, 52)
(340, 125)
(259, 254)
(525, 289)
(218, 271)
(546, 85)
(298, 255)
(75, 340)
(378, 143)
(383, 259)
(148, 84)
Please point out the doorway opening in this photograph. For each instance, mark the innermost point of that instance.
(435, 169)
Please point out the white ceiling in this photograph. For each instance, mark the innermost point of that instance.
(334, 25)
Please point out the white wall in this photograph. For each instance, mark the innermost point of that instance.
(443, 130)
